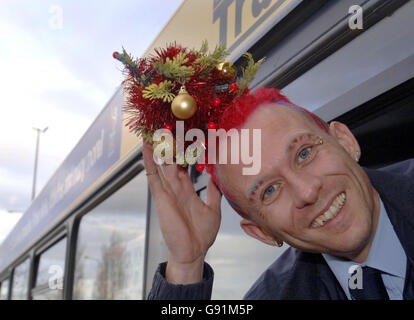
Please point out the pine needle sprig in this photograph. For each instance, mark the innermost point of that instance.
(210, 61)
(128, 59)
(160, 91)
(175, 68)
(248, 72)
(145, 133)
(204, 48)
(219, 53)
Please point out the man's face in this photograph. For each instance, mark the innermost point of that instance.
(310, 191)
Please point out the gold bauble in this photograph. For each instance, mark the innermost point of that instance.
(183, 106)
(227, 68)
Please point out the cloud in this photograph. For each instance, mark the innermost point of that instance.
(8, 220)
(15, 190)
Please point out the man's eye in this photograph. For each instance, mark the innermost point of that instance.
(270, 190)
(304, 154)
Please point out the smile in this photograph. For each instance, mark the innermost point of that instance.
(331, 213)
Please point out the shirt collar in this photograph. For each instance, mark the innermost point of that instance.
(386, 254)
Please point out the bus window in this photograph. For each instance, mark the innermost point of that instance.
(20, 282)
(109, 259)
(237, 259)
(50, 271)
(4, 291)
(383, 126)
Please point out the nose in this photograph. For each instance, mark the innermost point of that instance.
(305, 188)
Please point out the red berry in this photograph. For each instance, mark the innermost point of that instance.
(200, 167)
(246, 91)
(233, 87)
(168, 127)
(211, 125)
(115, 54)
(216, 102)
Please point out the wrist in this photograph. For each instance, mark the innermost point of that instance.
(184, 273)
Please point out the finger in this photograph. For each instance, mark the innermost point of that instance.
(213, 196)
(170, 171)
(165, 182)
(178, 181)
(185, 181)
(153, 174)
(148, 154)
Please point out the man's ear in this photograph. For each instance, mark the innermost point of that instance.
(345, 137)
(257, 232)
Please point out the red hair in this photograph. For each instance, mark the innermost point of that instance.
(237, 114)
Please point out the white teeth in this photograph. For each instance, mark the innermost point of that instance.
(333, 210)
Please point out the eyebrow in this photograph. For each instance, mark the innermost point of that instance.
(252, 190)
(297, 138)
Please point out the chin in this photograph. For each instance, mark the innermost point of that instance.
(352, 243)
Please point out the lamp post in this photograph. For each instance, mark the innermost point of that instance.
(39, 131)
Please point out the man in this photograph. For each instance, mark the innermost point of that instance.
(349, 228)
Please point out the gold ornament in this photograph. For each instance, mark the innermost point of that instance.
(183, 106)
(227, 68)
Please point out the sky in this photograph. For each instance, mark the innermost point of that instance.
(57, 71)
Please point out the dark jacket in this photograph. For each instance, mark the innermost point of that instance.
(302, 275)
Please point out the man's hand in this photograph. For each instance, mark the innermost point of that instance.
(189, 225)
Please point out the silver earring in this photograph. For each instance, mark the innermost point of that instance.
(357, 155)
(277, 243)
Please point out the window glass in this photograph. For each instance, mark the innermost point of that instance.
(157, 250)
(20, 281)
(237, 259)
(4, 291)
(110, 247)
(50, 271)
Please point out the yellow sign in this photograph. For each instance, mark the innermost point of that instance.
(236, 23)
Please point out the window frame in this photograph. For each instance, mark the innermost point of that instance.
(56, 236)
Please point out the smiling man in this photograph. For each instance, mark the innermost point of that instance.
(310, 193)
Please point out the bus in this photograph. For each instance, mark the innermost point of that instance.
(93, 231)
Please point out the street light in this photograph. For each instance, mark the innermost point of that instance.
(14, 211)
(39, 131)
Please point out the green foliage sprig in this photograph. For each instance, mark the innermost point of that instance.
(128, 59)
(248, 72)
(175, 68)
(161, 91)
(210, 61)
